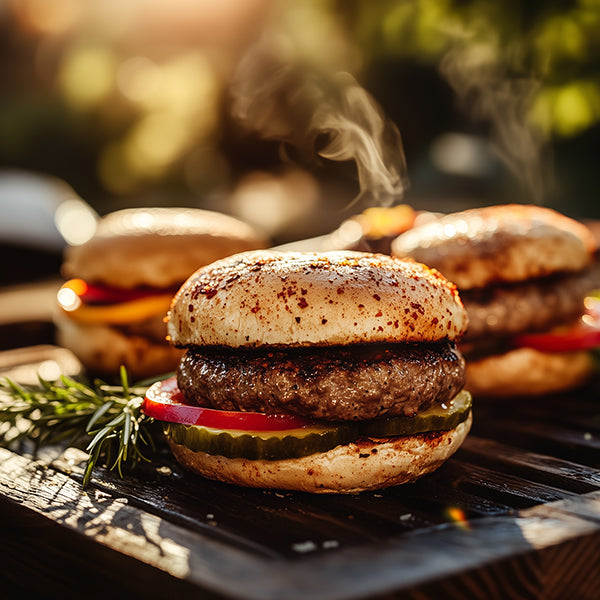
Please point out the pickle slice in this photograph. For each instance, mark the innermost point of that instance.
(294, 443)
(438, 418)
(264, 445)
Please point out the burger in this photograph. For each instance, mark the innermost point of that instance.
(320, 372)
(112, 309)
(523, 274)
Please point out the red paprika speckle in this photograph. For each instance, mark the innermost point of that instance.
(340, 290)
(190, 307)
(255, 309)
(379, 314)
(297, 319)
(377, 297)
(192, 319)
(303, 303)
(323, 321)
(418, 307)
(434, 321)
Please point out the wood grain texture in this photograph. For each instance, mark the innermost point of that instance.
(504, 518)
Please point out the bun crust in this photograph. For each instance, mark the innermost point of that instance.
(507, 243)
(369, 464)
(527, 372)
(298, 299)
(157, 247)
(103, 349)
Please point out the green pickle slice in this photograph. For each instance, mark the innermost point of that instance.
(273, 445)
(294, 443)
(441, 417)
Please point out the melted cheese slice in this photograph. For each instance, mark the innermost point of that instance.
(121, 313)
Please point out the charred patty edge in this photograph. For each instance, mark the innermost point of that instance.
(360, 381)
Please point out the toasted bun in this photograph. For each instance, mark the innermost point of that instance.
(527, 372)
(103, 349)
(506, 243)
(157, 247)
(299, 299)
(369, 464)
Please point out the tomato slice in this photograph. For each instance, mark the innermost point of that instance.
(103, 294)
(584, 335)
(165, 402)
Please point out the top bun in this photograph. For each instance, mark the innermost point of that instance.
(304, 298)
(507, 243)
(157, 247)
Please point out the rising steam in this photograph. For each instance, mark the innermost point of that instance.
(331, 116)
(489, 92)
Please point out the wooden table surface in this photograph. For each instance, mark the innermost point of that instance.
(514, 514)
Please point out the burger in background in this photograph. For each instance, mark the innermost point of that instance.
(331, 372)
(523, 273)
(112, 310)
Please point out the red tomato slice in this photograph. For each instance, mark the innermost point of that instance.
(104, 294)
(584, 335)
(165, 402)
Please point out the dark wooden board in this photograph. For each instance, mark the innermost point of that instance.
(515, 513)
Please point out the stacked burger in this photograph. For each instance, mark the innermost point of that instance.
(523, 275)
(111, 311)
(322, 372)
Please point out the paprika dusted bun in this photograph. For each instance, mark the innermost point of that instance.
(299, 299)
(157, 247)
(367, 464)
(508, 243)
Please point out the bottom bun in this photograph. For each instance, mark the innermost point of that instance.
(368, 464)
(528, 372)
(103, 349)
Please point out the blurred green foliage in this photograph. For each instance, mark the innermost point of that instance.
(133, 108)
(557, 45)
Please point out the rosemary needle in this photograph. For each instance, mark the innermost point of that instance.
(105, 420)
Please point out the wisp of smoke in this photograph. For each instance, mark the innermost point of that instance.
(318, 114)
(488, 91)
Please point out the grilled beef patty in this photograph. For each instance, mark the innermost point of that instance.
(535, 305)
(361, 381)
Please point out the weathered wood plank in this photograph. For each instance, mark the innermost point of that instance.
(498, 520)
(562, 473)
(356, 572)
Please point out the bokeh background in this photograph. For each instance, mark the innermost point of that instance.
(292, 115)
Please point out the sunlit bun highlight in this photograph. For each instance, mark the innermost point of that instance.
(507, 243)
(157, 247)
(368, 464)
(528, 372)
(102, 349)
(299, 299)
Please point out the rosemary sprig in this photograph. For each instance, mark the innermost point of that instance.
(70, 411)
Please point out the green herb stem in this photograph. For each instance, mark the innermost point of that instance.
(73, 411)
